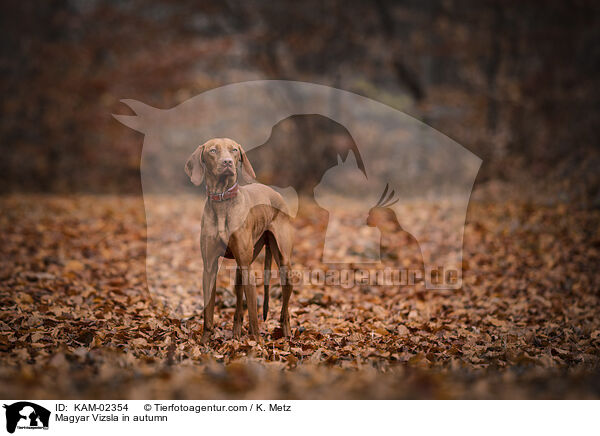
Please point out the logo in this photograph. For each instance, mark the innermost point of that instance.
(381, 190)
(26, 415)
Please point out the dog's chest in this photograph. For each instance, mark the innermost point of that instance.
(220, 221)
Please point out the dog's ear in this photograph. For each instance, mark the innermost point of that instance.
(246, 165)
(194, 166)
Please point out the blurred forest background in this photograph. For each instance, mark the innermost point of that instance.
(515, 82)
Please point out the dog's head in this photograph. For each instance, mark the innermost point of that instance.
(217, 158)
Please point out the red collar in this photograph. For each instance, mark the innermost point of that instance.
(222, 196)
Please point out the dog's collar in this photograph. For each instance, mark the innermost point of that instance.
(222, 196)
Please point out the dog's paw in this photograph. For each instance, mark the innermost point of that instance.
(255, 340)
(237, 331)
(206, 336)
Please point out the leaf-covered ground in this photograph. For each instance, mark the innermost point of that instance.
(78, 321)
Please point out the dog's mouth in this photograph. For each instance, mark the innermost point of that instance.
(227, 171)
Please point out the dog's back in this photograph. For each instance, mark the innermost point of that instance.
(259, 194)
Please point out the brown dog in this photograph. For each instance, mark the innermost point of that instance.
(237, 222)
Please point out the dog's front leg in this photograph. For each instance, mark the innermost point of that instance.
(209, 282)
(242, 248)
(250, 291)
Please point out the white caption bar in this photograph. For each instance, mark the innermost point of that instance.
(264, 417)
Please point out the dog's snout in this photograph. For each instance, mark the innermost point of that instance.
(228, 162)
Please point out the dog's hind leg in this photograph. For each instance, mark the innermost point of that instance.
(238, 317)
(267, 278)
(286, 286)
(282, 253)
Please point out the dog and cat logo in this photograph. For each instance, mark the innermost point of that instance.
(333, 149)
(25, 415)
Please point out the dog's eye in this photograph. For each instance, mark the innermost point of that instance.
(235, 149)
(212, 150)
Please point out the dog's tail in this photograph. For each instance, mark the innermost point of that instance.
(268, 258)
